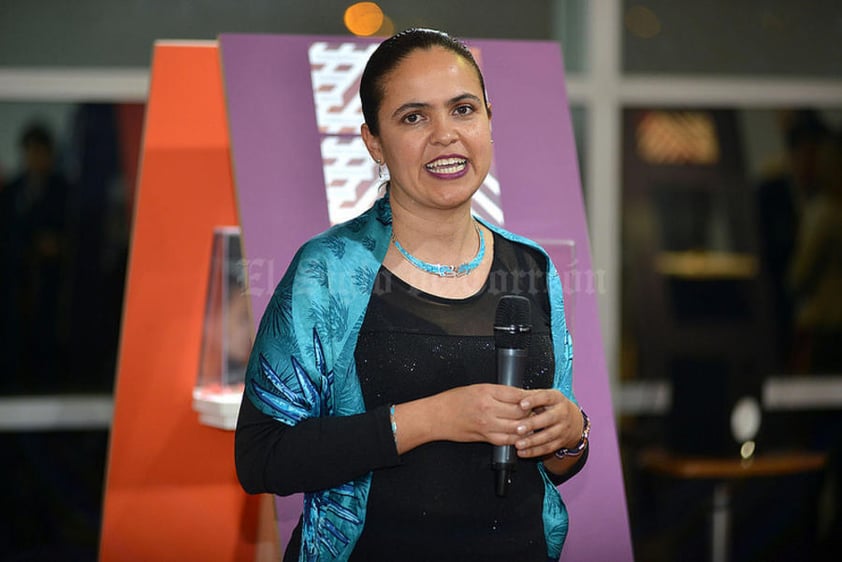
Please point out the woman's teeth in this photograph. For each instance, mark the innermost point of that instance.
(447, 165)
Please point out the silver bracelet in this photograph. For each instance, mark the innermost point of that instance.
(583, 442)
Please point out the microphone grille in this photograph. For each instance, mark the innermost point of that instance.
(512, 322)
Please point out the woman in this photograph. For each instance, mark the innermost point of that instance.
(371, 385)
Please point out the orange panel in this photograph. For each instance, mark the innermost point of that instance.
(171, 490)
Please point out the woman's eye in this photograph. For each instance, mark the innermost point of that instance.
(464, 110)
(412, 118)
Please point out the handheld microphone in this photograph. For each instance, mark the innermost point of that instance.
(512, 331)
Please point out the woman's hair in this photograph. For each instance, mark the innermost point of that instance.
(390, 53)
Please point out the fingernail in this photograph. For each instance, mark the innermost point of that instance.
(525, 404)
(520, 444)
(521, 429)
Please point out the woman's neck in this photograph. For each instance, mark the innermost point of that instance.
(437, 236)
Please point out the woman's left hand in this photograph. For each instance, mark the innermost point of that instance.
(555, 422)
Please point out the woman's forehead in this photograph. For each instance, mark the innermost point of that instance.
(431, 71)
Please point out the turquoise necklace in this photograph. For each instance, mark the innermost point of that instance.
(443, 270)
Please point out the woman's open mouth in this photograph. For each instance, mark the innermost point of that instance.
(447, 166)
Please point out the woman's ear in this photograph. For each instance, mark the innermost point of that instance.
(372, 143)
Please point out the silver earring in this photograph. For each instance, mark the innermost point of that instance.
(492, 141)
(379, 168)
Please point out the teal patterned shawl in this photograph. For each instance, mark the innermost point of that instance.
(302, 364)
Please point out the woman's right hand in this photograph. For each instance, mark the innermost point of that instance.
(487, 413)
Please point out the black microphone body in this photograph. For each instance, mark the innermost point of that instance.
(511, 339)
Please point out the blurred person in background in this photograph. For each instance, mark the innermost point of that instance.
(815, 273)
(800, 221)
(781, 198)
(32, 244)
(816, 279)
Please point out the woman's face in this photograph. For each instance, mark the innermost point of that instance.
(435, 131)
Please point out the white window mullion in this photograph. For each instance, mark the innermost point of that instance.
(602, 162)
(726, 91)
(73, 84)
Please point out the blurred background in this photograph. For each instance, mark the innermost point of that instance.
(709, 144)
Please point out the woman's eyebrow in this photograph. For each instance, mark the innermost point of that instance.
(463, 97)
(410, 105)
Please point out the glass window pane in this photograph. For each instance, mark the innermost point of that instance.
(769, 37)
(65, 206)
(732, 274)
(570, 26)
(719, 213)
(579, 117)
(100, 33)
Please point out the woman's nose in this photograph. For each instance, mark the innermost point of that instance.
(444, 132)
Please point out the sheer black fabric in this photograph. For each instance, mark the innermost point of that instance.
(440, 503)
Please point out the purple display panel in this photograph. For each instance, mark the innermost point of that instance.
(282, 203)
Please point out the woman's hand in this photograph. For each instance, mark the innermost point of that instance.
(488, 413)
(536, 422)
(555, 423)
